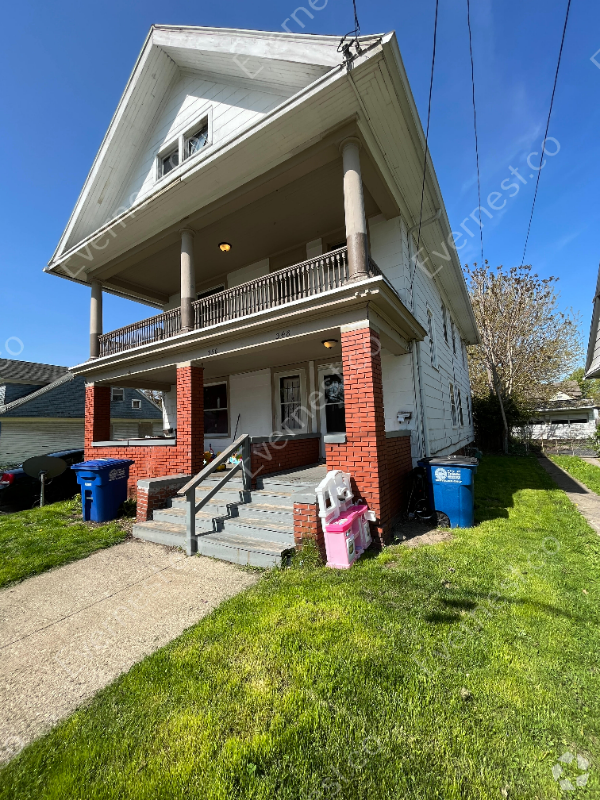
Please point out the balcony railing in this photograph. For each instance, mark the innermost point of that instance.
(312, 277)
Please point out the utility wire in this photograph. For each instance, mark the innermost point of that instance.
(537, 183)
(475, 128)
(428, 121)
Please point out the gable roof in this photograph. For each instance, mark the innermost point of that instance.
(12, 371)
(592, 365)
(272, 62)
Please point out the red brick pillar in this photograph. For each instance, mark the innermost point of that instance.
(364, 453)
(190, 419)
(97, 417)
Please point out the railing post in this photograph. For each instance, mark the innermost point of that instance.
(247, 464)
(190, 522)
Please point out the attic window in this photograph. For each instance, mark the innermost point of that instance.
(117, 394)
(196, 141)
(169, 161)
(136, 404)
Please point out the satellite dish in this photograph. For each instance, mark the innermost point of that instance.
(53, 467)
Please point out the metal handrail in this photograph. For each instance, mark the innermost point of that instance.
(189, 490)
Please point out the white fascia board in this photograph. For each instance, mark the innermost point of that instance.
(457, 288)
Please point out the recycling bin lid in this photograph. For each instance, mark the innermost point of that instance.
(103, 463)
(456, 461)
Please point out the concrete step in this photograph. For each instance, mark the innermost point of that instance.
(242, 550)
(214, 508)
(258, 509)
(259, 529)
(176, 516)
(160, 533)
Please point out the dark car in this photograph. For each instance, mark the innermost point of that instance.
(18, 491)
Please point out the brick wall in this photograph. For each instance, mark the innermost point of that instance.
(154, 493)
(279, 454)
(377, 464)
(307, 527)
(152, 461)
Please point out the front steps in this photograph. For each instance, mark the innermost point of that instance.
(249, 528)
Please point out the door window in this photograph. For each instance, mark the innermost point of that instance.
(335, 412)
(290, 399)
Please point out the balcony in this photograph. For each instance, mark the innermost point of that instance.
(309, 278)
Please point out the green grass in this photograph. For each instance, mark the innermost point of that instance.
(37, 540)
(320, 684)
(588, 474)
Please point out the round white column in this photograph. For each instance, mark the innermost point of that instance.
(95, 319)
(354, 209)
(188, 279)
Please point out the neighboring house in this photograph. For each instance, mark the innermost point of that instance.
(264, 193)
(567, 415)
(592, 364)
(42, 409)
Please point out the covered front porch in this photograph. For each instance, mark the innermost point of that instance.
(307, 392)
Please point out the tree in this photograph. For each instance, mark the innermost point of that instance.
(590, 388)
(527, 343)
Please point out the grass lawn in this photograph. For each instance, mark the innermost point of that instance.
(588, 474)
(37, 540)
(461, 670)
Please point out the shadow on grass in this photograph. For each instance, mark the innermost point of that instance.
(483, 602)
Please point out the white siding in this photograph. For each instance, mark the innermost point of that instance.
(21, 439)
(390, 250)
(233, 108)
(250, 397)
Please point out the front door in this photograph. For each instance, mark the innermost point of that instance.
(333, 413)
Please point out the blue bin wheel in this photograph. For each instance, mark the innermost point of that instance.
(443, 520)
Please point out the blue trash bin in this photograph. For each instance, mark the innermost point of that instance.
(103, 487)
(451, 485)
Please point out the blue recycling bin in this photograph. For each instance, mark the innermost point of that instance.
(451, 486)
(103, 487)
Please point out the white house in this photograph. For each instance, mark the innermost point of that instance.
(567, 415)
(263, 192)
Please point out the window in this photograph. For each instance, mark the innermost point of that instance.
(169, 161)
(335, 411)
(196, 141)
(453, 337)
(431, 334)
(445, 321)
(137, 404)
(118, 395)
(460, 408)
(464, 352)
(210, 292)
(453, 405)
(216, 416)
(290, 400)
(469, 414)
(579, 421)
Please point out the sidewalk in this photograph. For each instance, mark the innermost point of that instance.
(586, 501)
(69, 632)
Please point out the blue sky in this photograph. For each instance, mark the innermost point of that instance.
(65, 65)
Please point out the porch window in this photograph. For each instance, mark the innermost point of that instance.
(290, 394)
(169, 161)
(196, 141)
(453, 406)
(216, 415)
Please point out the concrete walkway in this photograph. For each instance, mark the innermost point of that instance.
(586, 501)
(69, 632)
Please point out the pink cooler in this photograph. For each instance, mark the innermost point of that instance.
(345, 537)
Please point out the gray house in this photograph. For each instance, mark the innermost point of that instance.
(42, 409)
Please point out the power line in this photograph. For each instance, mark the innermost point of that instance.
(475, 127)
(537, 183)
(428, 121)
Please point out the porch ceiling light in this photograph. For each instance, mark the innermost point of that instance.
(329, 343)
(224, 247)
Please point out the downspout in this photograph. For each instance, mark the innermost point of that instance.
(416, 345)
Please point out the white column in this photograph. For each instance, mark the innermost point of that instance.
(95, 319)
(354, 209)
(188, 279)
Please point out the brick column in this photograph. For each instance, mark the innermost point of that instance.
(190, 419)
(364, 453)
(97, 417)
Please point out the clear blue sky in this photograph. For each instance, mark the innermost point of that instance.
(65, 65)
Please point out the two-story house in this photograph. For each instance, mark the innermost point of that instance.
(266, 193)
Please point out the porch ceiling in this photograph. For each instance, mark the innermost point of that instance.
(309, 207)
